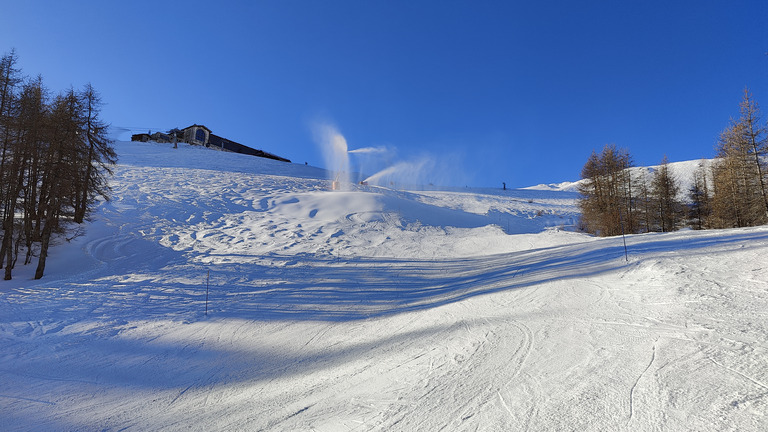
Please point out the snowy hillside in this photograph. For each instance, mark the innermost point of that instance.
(376, 309)
(682, 172)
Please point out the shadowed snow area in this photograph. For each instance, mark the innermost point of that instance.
(376, 309)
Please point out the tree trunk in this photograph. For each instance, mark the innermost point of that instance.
(44, 243)
(8, 247)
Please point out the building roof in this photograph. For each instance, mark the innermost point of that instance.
(197, 125)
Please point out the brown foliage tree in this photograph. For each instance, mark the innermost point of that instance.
(700, 209)
(740, 186)
(56, 158)
(606, 202)
(664, 190)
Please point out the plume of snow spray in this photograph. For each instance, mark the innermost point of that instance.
(334, 148)
(402, 173)
(372, 159)
(370, 150)
(411, 173)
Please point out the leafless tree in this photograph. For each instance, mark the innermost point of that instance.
(606, 202)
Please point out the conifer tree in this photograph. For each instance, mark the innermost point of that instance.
(664, 190)
(606, 192)
(699, 194)
(755, 138)
(55, 161)
(9, 80)
(21, 162)
(62, 170)
(739, 176)
(645, 204)
(98, 151)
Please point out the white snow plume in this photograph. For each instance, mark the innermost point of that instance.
(402, 173)
(368, 160)
(426, 170)
(371, 150)
(334, 147)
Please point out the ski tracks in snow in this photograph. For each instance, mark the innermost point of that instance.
(491, 352)
(348, 321)
(632, 389)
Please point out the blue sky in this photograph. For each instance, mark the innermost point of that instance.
(495, 91)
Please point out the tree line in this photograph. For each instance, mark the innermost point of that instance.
(730, 192)
(56, 157)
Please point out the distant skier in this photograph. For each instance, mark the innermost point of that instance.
(504, 185)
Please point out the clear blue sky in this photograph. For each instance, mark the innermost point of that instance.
(509, 91)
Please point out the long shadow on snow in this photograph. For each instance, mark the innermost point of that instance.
(313, 288)
(691, 242)
(173, 370)
(153, 282)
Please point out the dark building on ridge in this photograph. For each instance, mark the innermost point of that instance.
(201, 135)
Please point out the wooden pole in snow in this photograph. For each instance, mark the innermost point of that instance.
(624, 238)
(207, 283)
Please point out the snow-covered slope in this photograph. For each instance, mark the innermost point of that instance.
(683, 173)
(376, 309)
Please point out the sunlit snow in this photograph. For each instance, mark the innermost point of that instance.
(373, 308)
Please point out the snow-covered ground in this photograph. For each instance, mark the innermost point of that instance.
(376, 309)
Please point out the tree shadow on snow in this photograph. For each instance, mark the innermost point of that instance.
(338, 289)
(165, 284)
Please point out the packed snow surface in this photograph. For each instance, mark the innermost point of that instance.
(376, 309)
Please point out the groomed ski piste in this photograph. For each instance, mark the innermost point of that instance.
(376, 309)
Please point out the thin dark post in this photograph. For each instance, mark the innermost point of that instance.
(623, 237)
(207, 283)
